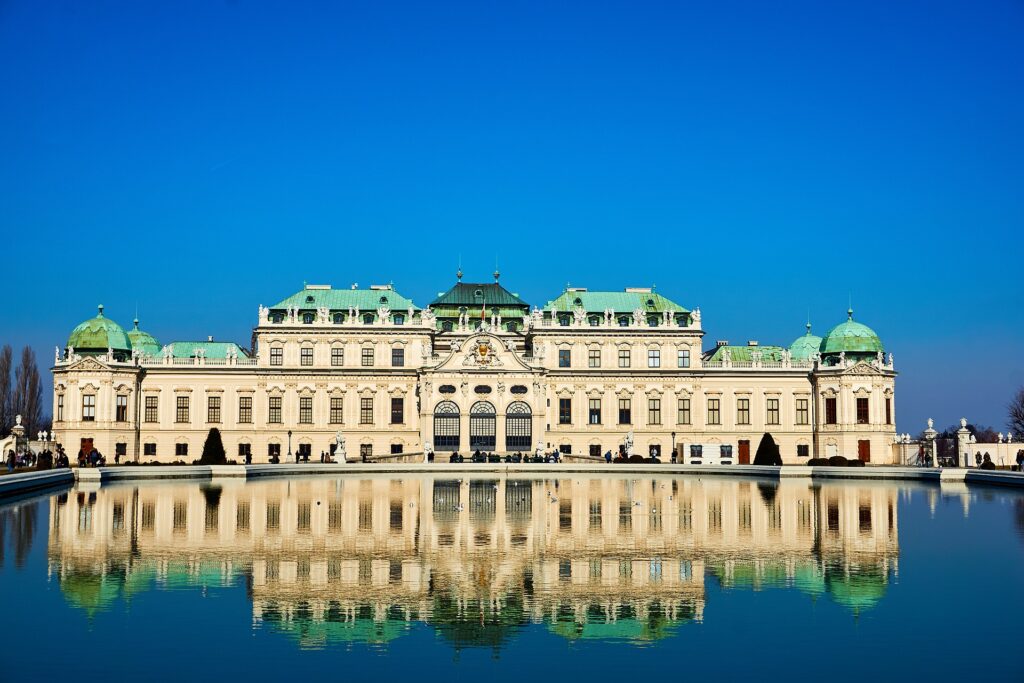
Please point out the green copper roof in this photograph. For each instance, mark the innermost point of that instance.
(619, 302)
(311, 298)
(99, 334)
(187, 349)
(745, 353)
(851, 337)
(470, 294)
(143, 342)
(806, 346)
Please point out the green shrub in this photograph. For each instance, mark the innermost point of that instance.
(213, 449)
(767, 452)
(817, 462)
(855, 463)
(838, 461)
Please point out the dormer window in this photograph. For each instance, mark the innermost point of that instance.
(563, 320)
(277, 318)
(652, 321)
(307, 318)
(398, 319)
(309, 299)
(446, 326)
(578, 301)
(623, 321)
(594, 321)
(368, 319)
(339, 318)
(681, 321)
(478, 293)
(384, 300)
(650, 303)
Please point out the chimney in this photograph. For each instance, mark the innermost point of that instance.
(752, 342)
(209, 338)
(721, 342)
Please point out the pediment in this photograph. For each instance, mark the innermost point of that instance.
(862, 368)
(483, 352)
(88, 364)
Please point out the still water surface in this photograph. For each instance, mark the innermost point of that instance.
(512, 579)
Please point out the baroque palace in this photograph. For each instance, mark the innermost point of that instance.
(477, 369)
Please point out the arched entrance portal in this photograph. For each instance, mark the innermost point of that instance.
(518, 427)
(446, 426)
(482, 426)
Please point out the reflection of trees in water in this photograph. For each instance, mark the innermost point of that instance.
(20, 520)
(475, 622)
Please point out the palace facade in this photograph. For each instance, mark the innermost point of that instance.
(476, 369)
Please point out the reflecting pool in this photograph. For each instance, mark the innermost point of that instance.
(509, 578)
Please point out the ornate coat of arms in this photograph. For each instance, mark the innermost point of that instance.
(482, 354)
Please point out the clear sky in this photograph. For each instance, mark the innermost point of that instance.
(765, 161)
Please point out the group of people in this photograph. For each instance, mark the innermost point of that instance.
(44, 460)
(485, 456)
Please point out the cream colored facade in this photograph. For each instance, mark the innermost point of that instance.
(577, 550)
(384, 380)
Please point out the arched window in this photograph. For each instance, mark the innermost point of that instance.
(398, 319)
(307, 318)
(339, 318)
(518, 427)
(653, 320)
(482, 426)
(446, 426)
(563, 320)
(623, 321)
(594, 321)
(446, 326)
(368, 319)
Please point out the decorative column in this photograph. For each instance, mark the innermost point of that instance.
(929, 437)
(963, 440)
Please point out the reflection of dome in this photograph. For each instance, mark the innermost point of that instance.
(90, 592)
(856, 591)
(851, 338)
(99, 334)
(806, 346)
(143, 342)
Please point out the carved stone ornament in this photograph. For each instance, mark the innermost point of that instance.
(482, 354)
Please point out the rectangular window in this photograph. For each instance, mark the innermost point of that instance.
(89, 407)
(338, 356)
(564, 411)
(181, 413)
(654, 358)
(276, 355)
(245, 410)
(397, 357)
(397, 410)
(213, 409)
(802, 412)
(121, 414)
(594, 412)
(830, 411)
(803, 450)
(274, 450)
(121, 449)
(684, 411)
(149, 449)
(60, 407)
(181, 450)
(684, 358)
(305, 410)
(367, 357)
(564, 358)
(366, 411)
(743, 411)
(337, 410)
(714, 411)
(306, 356)
(773, 417)
(654, 411)
(888, 411)
(244, 450)
(151, 408)
(624, 359)
(862, 411)
(274, 412)
(396, 449)
(625, 411)
(594, 358)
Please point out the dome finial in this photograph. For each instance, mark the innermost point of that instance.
(808, 327)
(849, 313)
(458, 273)
(136, 322)
(100, 307)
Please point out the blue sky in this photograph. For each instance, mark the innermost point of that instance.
(763, 161)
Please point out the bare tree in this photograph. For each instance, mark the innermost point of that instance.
(28, 392)
(1016, 413)
(6, 400)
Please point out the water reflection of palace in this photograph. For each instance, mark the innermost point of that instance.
(363, 559)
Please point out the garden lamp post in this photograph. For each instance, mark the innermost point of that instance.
(289, 443)
(673, 446)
